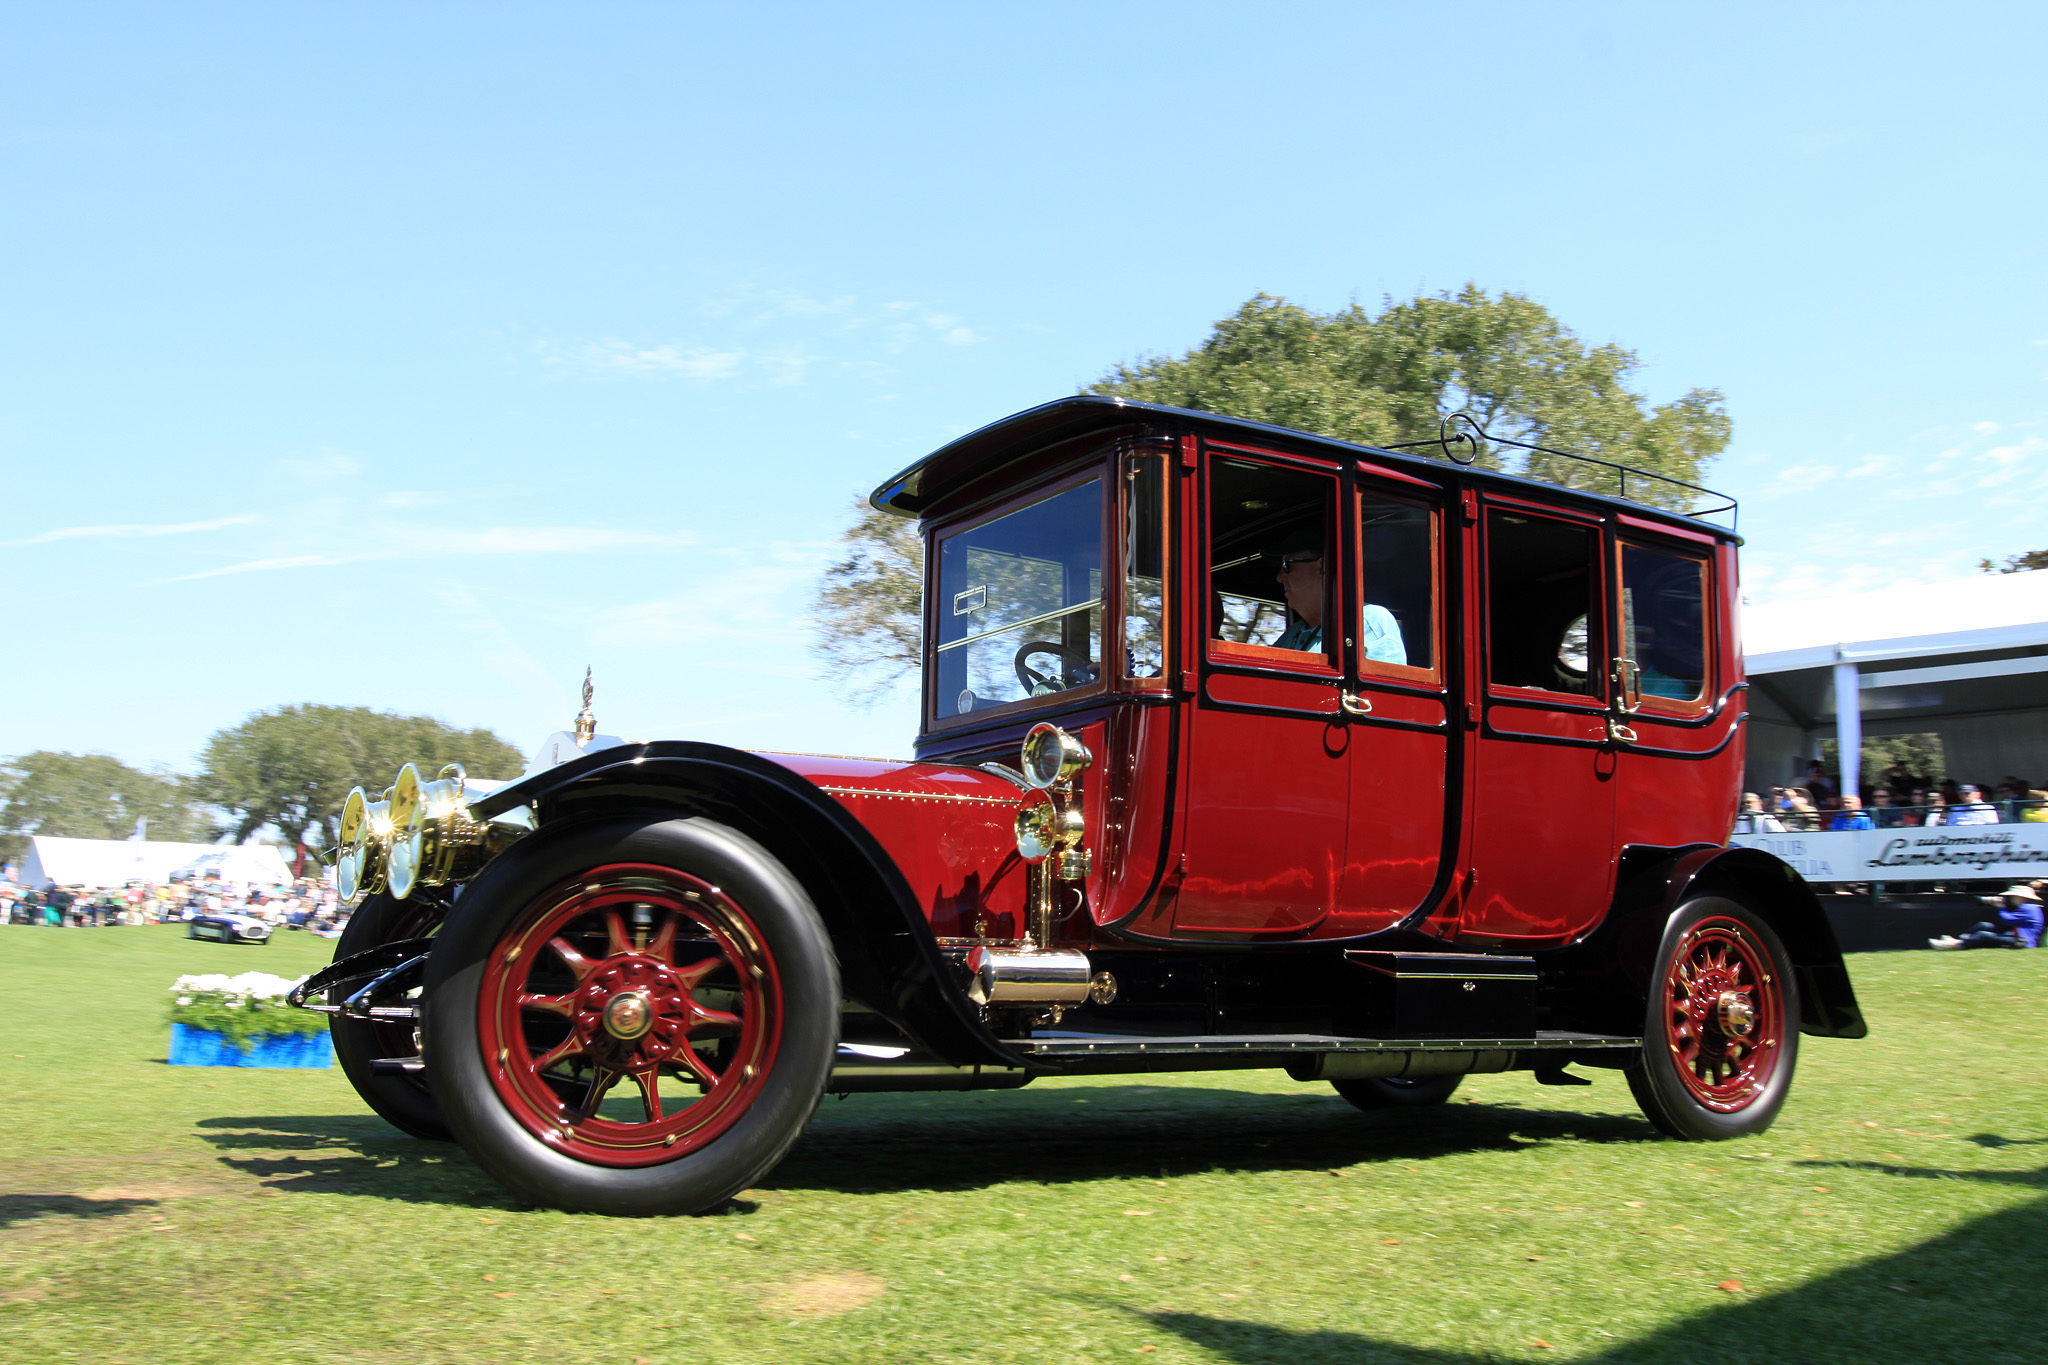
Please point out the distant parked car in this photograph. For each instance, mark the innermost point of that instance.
(228, 927)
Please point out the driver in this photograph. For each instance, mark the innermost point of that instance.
(1301, 581)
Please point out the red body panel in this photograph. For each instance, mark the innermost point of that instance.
(951, 830)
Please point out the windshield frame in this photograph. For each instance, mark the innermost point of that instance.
(1100, 467)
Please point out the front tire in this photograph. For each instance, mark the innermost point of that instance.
(669, 954)
(402, 1100)
(1721, 1035)
(1397, 1092)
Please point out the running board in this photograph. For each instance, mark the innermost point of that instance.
(1293, 1044)
(1314, 1056)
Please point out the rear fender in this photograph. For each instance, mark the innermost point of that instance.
(889, 960)
(1602, 983)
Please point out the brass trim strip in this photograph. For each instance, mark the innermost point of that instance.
(918, 796)
(1018, 625)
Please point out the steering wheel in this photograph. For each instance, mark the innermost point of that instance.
(1080, 669)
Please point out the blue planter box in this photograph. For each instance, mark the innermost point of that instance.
(204, 1047)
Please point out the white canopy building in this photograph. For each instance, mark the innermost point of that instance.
(1965, 659)
(116, 862)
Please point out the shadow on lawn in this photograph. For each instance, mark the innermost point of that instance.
(1954, 1298)
(20, 1208)
(344, 1154)
(1137, 1131)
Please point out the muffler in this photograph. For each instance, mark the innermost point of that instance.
(1035, 976)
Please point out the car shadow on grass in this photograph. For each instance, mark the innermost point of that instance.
(346, 1154)
(23, 1208)
(959, 1142)
(1951, 1298)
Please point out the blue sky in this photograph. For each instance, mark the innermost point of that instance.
(416, 356)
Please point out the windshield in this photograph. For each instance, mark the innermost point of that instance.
(1020, 604)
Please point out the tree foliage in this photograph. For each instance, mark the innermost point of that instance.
(869, 604)
(293, 767)
(1372, 377)
(2020, 563)
(1392, 376)
(90, 796)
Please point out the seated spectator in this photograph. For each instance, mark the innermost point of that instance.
(2034, 810)
(1818, 788)
(1900, 778)
(1950, 792)
(1799, 811)
(1882, 812)
(2019, 924)
(1754, 819)
(1970, 808)
(1852, 815)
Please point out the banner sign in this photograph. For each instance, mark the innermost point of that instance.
(1945, 853)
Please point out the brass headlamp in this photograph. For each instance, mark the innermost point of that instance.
(1050, 820)
(434, 838)
(359, 866)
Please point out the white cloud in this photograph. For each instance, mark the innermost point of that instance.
(698, 362)
(266, 565)
(136, 530)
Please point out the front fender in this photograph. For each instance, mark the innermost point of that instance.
(889, 959)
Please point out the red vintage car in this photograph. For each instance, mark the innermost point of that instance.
(1241, 747)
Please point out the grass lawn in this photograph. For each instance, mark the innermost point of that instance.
(1896, 1213)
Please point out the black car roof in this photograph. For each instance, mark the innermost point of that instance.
(986, 451)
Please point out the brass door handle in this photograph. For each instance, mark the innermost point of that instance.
(1353, 704)
(1617, 733)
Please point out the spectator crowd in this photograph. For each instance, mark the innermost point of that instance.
(1897, 799)
(300, 904)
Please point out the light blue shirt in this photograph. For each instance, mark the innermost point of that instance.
(1382, 635)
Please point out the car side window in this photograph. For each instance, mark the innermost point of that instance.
(1663, 621)
(1272, 559)
(1542, 611)
(1397, 585)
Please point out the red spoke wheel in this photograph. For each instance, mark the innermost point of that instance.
(1722, 1032)
(401, 1099)
(636, 1017)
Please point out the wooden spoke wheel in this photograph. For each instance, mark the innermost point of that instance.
(1722, 1032)
(634, 1018)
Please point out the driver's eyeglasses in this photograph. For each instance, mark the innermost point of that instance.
(1290, 565)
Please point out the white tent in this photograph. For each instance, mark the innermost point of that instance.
(1964, 659)
(250, 864)
(116, 862)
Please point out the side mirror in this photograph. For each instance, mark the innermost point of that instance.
(1628, 685)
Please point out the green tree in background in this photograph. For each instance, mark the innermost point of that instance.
(91, 796)
(293, 767)
(1393, 375)
(2021, 563)
(1358, 375)
(868, 606)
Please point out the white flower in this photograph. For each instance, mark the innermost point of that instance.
(184, 1000)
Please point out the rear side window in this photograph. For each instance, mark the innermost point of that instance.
(1664, 621)
(1397, 578)
(1542, 608)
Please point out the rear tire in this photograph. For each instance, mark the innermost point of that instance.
(606, 959)
(1721, 1032)
(1397, 1092)
(401, 1100)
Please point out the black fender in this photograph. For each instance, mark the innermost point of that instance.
(889, 959)
(1601, 983)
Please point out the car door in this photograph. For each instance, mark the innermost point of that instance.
(1542, 793)
(1268, 786)
(1396, 703)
